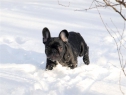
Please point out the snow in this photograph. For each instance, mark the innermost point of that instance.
(22, 58)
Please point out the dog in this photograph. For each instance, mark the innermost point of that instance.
(64, 49)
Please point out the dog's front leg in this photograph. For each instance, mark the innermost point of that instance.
(50, 64)
(73, 64)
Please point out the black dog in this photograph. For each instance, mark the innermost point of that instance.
(64, 49)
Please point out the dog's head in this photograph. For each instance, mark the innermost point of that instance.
(54, 46)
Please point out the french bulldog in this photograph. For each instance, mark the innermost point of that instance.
(64, 49)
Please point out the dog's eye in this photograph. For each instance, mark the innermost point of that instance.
(60, 48)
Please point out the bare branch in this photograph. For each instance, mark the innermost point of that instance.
(124, 72)
(107, 3)
(91, 3)
(121, 35)
(120, 84)
(63, 5)
(114, 9)
(121, 2)
(124, 65)
(105, 25)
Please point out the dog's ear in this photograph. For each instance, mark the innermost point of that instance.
(46, 34)
(64, 35)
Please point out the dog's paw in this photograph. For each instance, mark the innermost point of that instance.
(87, 62)
(72, 66)
(49, 67)
(86, 59)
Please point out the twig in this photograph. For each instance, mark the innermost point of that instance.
(118, 30)
(124, 72)
(63, 5)
(121, 2)
(118, 39)
(121, 35)
(116, 45)
(114, 65)
(114, 9)
(91, 3)
(120, 84)
(110, 34)
(97, 7)
(124, 65)
(107, 3)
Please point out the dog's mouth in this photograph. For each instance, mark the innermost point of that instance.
(52, 58)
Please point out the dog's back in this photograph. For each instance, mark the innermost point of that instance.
(77, 42)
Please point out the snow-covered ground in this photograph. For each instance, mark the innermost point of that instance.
(22, 58)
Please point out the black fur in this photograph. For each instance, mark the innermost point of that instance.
(64, 49)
